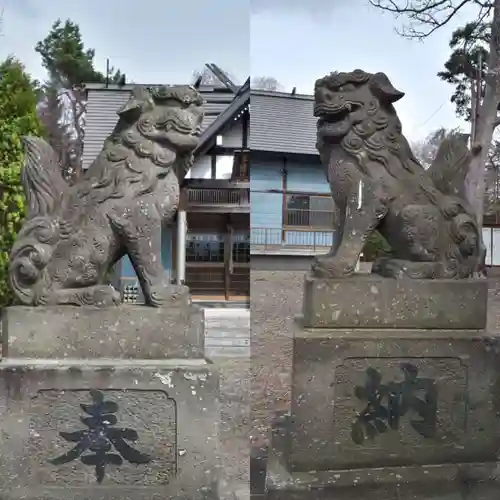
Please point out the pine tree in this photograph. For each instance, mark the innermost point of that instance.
(469, 46)
(62, 110)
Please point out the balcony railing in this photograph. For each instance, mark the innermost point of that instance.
(290, 241)
(216, 197)
(217, 194)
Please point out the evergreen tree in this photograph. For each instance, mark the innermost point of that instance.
(18, 117)
(469, 46)
(69, 65)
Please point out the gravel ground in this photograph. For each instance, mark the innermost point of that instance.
(276, 299)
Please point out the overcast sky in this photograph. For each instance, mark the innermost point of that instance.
(295, 41)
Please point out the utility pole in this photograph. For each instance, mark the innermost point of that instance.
(107, 72)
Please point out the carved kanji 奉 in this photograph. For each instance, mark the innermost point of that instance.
(100, 438)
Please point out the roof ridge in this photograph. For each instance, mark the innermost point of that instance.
(284, 95)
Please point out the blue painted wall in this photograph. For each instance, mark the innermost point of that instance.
(267, 208)
(266, 213)
(127, 270)
(306, 178)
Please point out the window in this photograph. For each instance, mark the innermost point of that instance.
(241, 248)
(306, 210)
(240, 166)
(210, 248)
(204, 248)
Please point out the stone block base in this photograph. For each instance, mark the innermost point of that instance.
(89, 332)
(472, 481)
(393, 398)
(108, 430)
(369, 301)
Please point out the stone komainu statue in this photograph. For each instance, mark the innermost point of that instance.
(378, 184)
(73, 234)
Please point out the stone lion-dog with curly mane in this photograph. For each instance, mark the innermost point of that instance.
(73, 234)
(378, 184)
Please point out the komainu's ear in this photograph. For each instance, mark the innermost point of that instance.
(140, 100)
(383, 88)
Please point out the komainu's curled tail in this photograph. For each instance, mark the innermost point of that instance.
(41, 178)
(45, 189)
(451, 164)
(448, 172)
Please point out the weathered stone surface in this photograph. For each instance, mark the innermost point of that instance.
(378, 184)
(420, 397)
(91, 332)
(73, 234)
(369, 301)
(435, 482)
(172, 406)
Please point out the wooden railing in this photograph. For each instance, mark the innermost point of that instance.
(216, 193)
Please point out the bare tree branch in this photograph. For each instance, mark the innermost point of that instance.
(427, 16)
(424, 17)
(266, 83)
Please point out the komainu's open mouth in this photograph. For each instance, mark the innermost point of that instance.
(325, 110)
(329, 117)
(328, 113)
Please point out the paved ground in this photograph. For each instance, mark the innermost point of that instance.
(227, 333)
(227, 339)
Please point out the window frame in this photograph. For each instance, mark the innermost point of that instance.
(288, 225)
(241, 168)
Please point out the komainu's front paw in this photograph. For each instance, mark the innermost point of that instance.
(332, 267)
(105, 296)
(167, 295)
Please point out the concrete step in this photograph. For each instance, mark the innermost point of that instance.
(227, 332)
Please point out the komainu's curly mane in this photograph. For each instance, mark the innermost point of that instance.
(139, 151)
(374, 132)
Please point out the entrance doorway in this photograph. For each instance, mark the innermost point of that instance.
(218, 256)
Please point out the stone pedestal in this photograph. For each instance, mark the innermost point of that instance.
(369, 301)
(107, 404)
(380, 405)
(129, 331)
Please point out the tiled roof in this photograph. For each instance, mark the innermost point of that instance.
(279, 122)
(282, 123)
(104, 102)
(240, 102)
